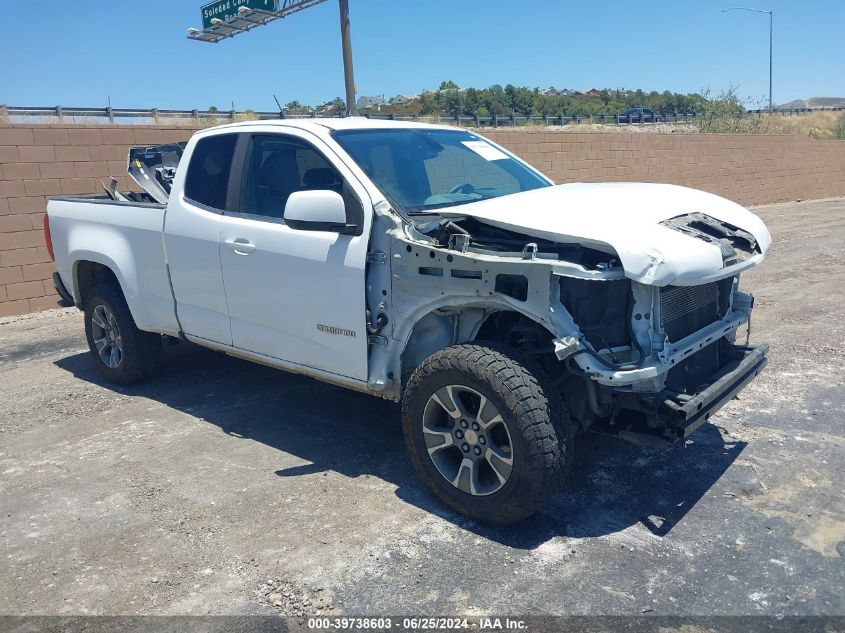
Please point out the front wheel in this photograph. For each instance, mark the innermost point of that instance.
(122, 353)
(487, 432)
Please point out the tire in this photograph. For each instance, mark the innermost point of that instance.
(527, 423)
(122, 353)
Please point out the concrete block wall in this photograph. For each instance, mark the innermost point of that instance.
(39, 161)
(749, 169)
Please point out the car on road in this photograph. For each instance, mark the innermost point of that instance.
(429, 266)
(638, 115)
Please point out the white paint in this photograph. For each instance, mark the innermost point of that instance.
(485, 150)
(315, 206)
(625, 218)
(192, 245)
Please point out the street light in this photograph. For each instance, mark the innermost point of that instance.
(248, 16)
(771, 108)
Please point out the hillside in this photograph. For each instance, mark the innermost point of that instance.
(815, 103)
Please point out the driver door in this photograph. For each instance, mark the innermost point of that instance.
(295, 295)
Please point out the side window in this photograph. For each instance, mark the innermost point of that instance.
(207, 181)
(277, 166)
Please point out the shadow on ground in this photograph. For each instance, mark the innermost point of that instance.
(613, 485)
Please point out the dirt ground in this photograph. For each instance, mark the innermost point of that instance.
(223, 487)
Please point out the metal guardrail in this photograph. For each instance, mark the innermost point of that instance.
(119, 115)
(795, 111)
(113, 114)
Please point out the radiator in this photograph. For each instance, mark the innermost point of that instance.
(686, 309)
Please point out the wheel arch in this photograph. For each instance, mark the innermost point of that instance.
(90, 269)
(446, 325)
(88, 274)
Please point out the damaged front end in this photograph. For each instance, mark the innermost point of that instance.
(683, 363)
(645, 362)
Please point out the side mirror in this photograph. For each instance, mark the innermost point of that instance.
(317, 211)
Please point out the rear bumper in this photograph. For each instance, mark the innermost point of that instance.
(670, 416)
(65, 299)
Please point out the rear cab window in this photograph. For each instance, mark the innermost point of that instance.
(209, 171)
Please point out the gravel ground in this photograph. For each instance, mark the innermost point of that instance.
(223, 487)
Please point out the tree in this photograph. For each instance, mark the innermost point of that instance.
(636, 98)
(450, 100)
(428, 103)
(294, 107)
(604, 95)
(519, 99)
(472, 101)
(332, 107)
(494, 100)
(546, 105)
(453, 102)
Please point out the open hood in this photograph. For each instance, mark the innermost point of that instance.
(662, 234)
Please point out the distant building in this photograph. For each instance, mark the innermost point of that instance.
(370, 102)
(401, 100)
(560, 92)
(593, 92)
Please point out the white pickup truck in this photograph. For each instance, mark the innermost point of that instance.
(426, 265)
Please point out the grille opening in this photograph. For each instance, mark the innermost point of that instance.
(692, 374)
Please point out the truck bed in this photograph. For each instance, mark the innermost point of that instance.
(125, 236)
(105, 199)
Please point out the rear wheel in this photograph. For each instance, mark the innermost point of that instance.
(487, 432)
(122, 353)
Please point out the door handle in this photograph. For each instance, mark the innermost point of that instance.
(241, 246)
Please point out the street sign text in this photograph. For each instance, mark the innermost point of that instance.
(227, 10)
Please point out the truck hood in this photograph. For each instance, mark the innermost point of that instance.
(625, 218)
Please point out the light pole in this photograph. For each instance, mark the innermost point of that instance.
(771, 107)
(346, 45)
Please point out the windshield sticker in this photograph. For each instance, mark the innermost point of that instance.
(485, 150)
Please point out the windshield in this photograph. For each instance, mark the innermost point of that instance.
(421, 170)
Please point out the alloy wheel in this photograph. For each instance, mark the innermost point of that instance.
(106, 335)
(467, 440)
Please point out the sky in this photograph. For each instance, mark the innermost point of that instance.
(81, 53)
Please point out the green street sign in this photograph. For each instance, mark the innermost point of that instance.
(227, 10)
